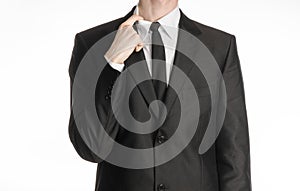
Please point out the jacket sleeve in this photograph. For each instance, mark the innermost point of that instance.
(80, 146)
(103, 105)
(232, 144)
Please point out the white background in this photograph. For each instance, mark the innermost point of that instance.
(36, 42)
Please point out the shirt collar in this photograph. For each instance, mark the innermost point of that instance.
(168, 23)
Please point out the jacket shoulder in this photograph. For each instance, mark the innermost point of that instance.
(217, 41)
(213, 32)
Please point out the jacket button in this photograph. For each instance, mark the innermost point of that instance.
(161, 187)
(161, 139)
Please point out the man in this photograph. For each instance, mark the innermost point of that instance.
(225, 166)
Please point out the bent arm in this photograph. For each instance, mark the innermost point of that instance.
(79, 50)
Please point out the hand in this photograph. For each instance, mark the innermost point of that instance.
(126, 41)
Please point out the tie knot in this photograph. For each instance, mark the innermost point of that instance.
(154, 26)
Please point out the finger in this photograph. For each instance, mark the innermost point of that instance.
(138, 47)
(131, 20)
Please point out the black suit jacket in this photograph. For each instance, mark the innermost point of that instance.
(224, 167)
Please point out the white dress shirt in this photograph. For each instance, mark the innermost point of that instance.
(168, 30)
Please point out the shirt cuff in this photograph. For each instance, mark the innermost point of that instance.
(115, 66)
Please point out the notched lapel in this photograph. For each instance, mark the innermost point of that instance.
(180, 60)
(146, 88)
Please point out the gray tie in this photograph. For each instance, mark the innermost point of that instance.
(158, 67)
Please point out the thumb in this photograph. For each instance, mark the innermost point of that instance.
(131, 20)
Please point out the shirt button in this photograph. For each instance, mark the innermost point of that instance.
(161, 187)
(161, 139)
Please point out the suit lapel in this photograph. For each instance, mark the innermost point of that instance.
(180, 60)
(146, 88)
